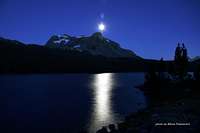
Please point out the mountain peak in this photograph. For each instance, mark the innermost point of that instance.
(96, 44)
(97, 35)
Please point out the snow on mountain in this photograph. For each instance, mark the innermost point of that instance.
(95, 44)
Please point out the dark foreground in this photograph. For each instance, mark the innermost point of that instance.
(18, 58)
(173, 100)
(174, 107)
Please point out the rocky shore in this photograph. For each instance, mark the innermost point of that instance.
(170, 110)
(173, 99)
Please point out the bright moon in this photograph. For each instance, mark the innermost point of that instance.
(102, 27)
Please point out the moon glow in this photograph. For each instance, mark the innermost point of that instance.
(101, 27)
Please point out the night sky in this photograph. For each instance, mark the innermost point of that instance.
(151, 28)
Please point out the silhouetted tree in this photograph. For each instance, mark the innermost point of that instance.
(184, 53)
(184, 61)
(181, 61)
(178, 54)
(177, 59)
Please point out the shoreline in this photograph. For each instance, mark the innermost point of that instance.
(174, 108)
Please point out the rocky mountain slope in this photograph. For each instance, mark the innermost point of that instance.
(96, 44)
(59, 57)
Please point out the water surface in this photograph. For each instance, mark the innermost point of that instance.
(67, 103)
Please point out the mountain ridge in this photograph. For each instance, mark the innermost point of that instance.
(96, 44)
(17, 57)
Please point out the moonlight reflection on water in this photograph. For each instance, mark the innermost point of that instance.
(102, 112)
(68, 102)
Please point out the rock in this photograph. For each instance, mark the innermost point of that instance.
(96, 44)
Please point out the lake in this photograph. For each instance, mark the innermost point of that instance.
(67, 103)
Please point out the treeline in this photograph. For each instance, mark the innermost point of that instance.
(16, 57)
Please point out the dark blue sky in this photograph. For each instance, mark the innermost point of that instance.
(151, 28)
